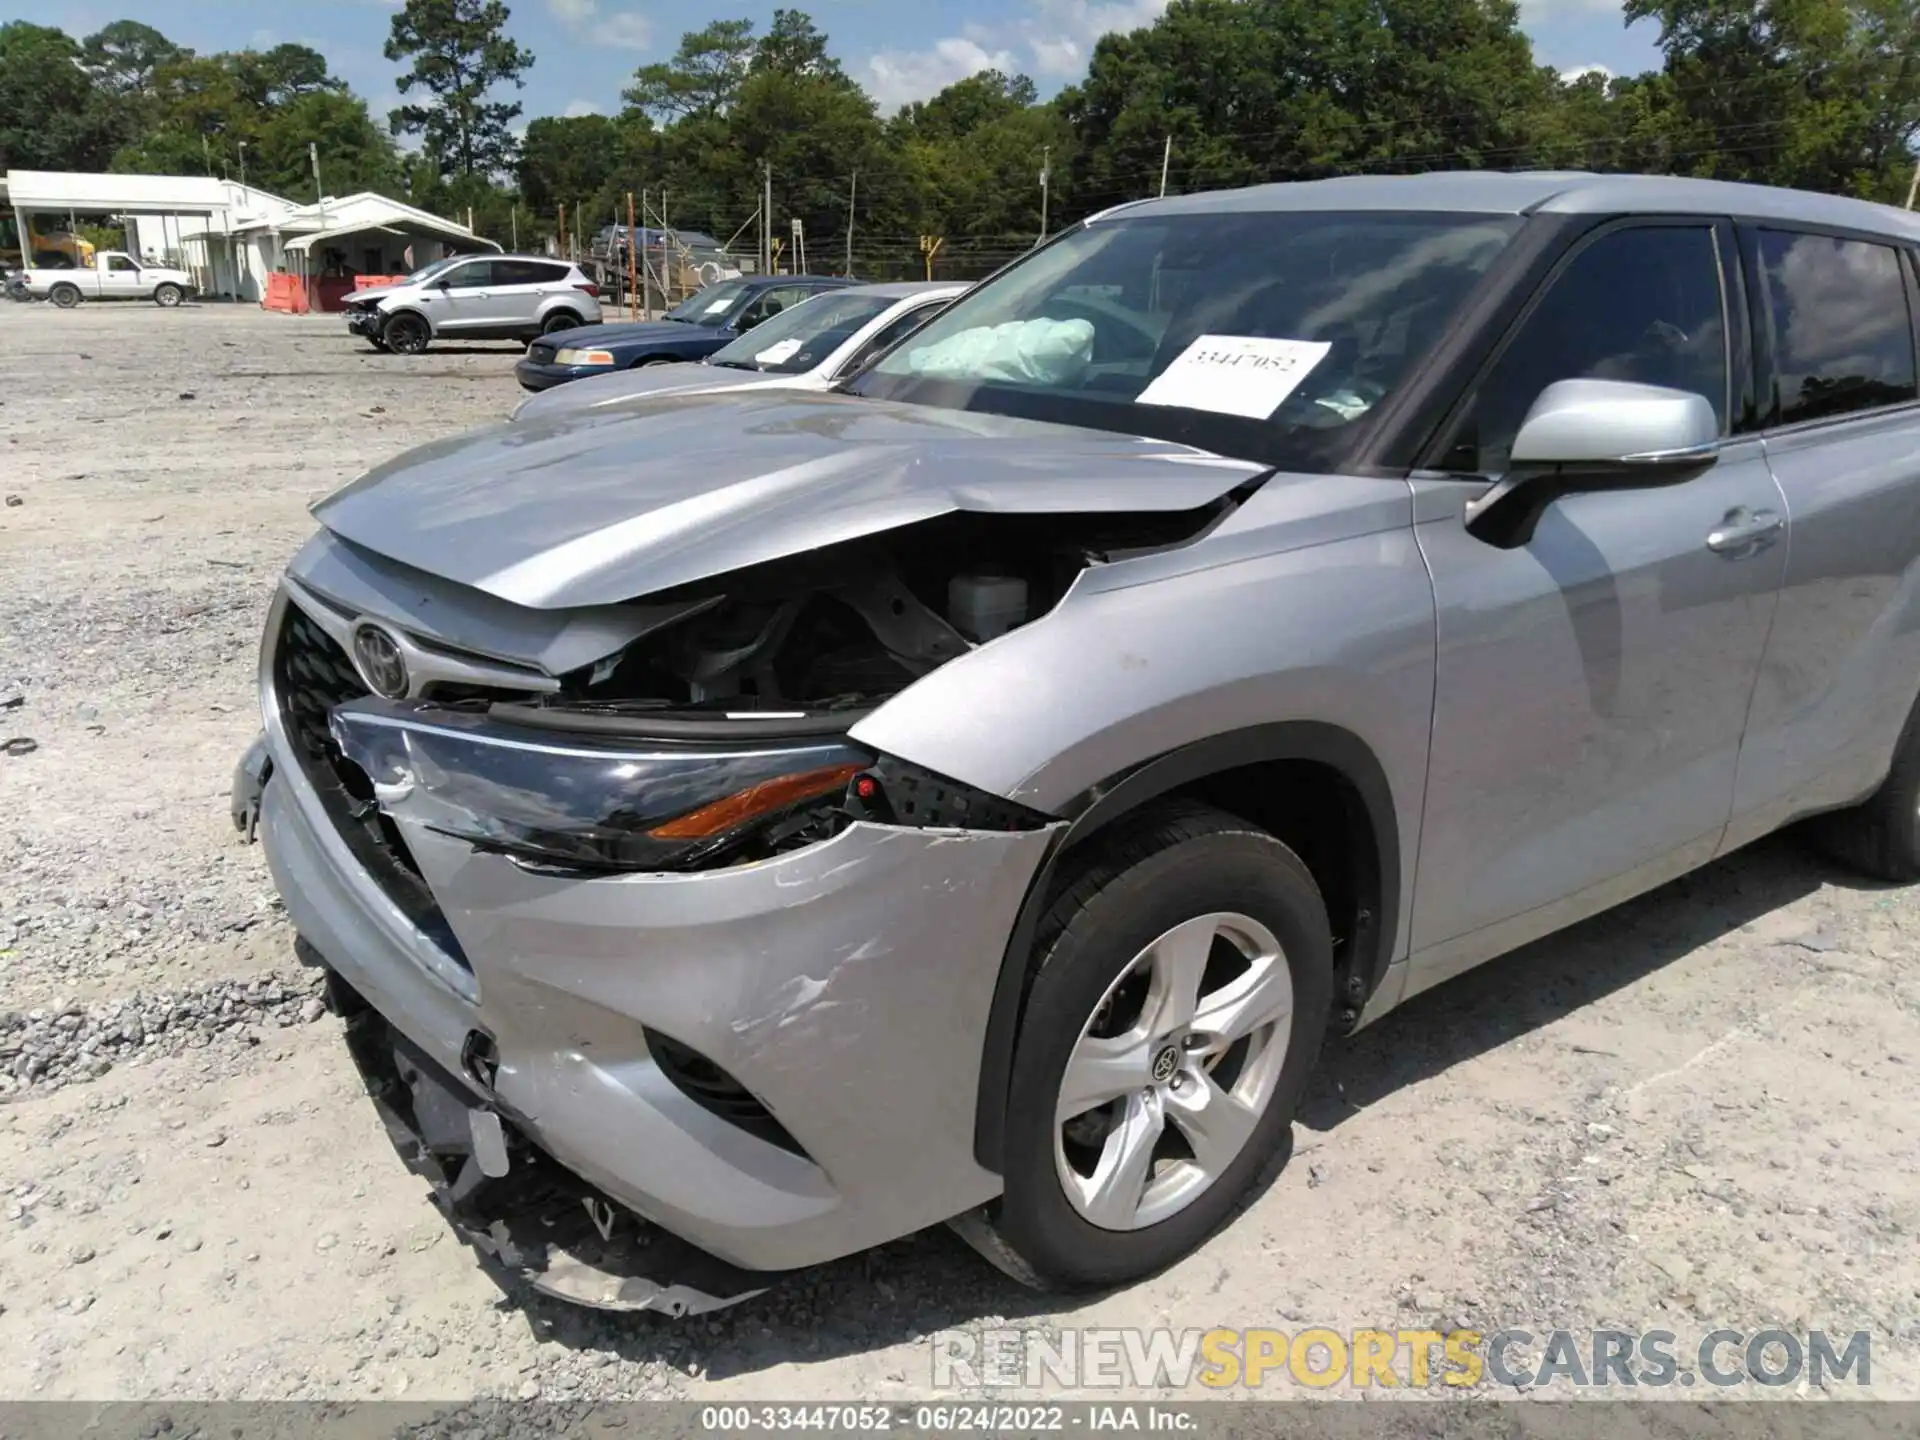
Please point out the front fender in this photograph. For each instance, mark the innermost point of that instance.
(1340, 634)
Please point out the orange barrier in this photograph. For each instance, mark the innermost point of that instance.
(286, 294)
(292, 295)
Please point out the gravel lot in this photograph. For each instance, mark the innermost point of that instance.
(1701, 1110)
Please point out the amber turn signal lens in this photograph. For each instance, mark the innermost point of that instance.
(756, 800)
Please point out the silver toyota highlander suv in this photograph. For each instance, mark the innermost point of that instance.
(764, 824)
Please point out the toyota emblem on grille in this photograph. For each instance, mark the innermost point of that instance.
(380, 662)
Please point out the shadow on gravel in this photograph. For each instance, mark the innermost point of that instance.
(1551, 978)
(890, 1296)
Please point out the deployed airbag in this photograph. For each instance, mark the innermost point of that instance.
(1038, 352)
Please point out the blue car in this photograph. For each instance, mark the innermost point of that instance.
(692, 330)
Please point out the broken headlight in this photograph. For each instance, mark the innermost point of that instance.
(580, 801)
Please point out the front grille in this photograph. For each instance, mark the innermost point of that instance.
(540, 354)
(312, 675)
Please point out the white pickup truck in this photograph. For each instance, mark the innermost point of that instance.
(112, 276)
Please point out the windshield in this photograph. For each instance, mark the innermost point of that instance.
(709, 306)
(433, 269)
(1266, 335)
(798, 339)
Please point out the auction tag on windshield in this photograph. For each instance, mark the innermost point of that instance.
(1235, 374)
(774, 354)
(717, 306)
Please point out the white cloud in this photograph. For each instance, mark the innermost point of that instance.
(584, 19)
(900, 76)
(626, 30)
(1061, 36)
(1055, 41)
(1580, 72)
(580, 109)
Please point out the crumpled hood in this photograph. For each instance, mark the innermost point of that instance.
(592, 508)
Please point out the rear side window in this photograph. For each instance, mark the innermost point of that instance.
(527, 272)
(1842, 338)
(1639, 304)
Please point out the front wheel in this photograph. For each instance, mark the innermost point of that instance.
(65, 296)
(1182, 995)
(168, 296)
(406, 334)
(560, 320)
(1881, 836)
(375, 342)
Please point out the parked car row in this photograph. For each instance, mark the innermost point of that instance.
(809, 346)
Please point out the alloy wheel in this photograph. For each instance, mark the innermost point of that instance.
(1173, 1071)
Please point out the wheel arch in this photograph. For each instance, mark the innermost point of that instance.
(1317, 786)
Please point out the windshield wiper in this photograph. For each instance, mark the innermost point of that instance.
(733, 364)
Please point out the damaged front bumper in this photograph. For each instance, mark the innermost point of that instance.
(526, 1216)
(775, 1061)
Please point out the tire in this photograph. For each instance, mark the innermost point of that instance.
(376, 343)
(65, 296)
(647, 362)
(1182, 869)
(168, 296)
(1880, 836)
(561, 320)
(405, 334)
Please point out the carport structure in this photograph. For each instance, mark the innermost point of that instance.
(187, 220)
(320, 253)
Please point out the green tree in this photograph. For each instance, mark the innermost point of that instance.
(1252, 90)
(459, 52)
(966, 105)
(283, 73)
(1822, 94)
(122, 57)
(702, 78)
(52, 113)
(355, 152)
(793, 45)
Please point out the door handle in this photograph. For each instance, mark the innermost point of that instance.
(1743, 532)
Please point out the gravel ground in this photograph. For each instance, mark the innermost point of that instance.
(1699, 1110)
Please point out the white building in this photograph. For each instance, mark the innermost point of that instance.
(231, 237)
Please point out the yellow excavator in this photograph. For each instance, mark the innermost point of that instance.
(53, 249)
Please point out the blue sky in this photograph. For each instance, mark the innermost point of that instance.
(586, 49)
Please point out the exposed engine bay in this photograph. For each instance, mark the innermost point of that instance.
(837, 630)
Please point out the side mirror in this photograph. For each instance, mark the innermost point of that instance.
(1586, 435)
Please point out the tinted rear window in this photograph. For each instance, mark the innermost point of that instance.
(1842, 334)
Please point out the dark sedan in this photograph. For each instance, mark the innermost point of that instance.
(692, 330)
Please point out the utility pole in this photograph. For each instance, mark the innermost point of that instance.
(1046, 174)
(1913, 190)
(766, 216)
(515, 222)
(646, 263)
(1166, 159)
(633, 255)
(853, 191)
(206, 155)
(243, 164)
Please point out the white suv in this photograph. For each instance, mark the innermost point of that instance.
(475, 297)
